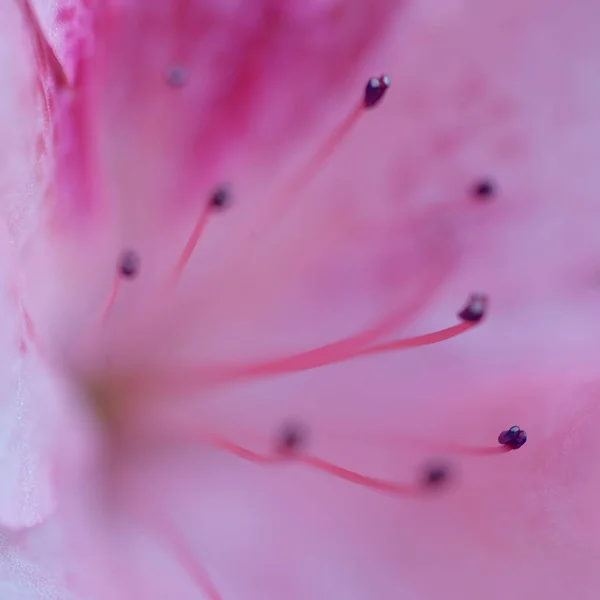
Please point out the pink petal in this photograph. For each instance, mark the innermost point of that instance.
(525, 521)
(500, 89)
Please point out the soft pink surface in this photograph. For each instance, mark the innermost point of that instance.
(121, 160)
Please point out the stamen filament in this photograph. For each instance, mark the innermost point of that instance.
(290, 192)
(185, 557)
(426, 339)
(128, 267)
(333, 353)
(351, 347)
(192, 242)
(357, 478)
(316, 463)
(337, 352)
(345, 434)
(111, 298)
(429, 445)
(328, 147)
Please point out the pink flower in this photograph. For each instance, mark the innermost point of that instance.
(178, 417)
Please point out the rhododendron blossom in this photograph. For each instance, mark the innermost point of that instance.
(286, 289)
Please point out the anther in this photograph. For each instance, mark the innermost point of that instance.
(475, 309)
(435, 476)
(513, 438)
(292, 437)
(483, 189)
(375, 90)
(127, 268)
(176, 77)
(220, 199)
(129, 265)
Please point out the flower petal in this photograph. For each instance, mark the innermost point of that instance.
(177, 93)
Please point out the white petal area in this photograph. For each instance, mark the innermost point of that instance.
(21, 134)
(22, 579)
(26, 387)
(26, 495)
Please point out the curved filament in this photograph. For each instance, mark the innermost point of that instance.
(188, 249)
(182, 552)
(316, 463)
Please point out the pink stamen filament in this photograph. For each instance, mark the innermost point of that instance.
(192, 241)
(327, 354)
(184, 556)
(426, 339)
(394, 440)
(337, 471)
(345, 350)
(316, 463)
(111, 297)
(336, 352)
(291, 190)
(328, 147)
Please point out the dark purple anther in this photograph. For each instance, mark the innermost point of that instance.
(375, 90)
(513, 438)
(129, 264)
(435, 475)
(220, 198)
(176, 77)
(483, 189)
(475, 308)
(292, 436)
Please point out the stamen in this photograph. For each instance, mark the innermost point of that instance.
(484, 189)
(176, 77)
(218, 200)
(475, 309)
(127, 268)
(335, 352)
(374, 91)
(354, 347)
(316, 463)
(435, 476)
(512, 438)
(293, 436)
(221, 198)
(397, 443)
(471, 314)
(185, 557)
(426, 339)
(129, 265)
